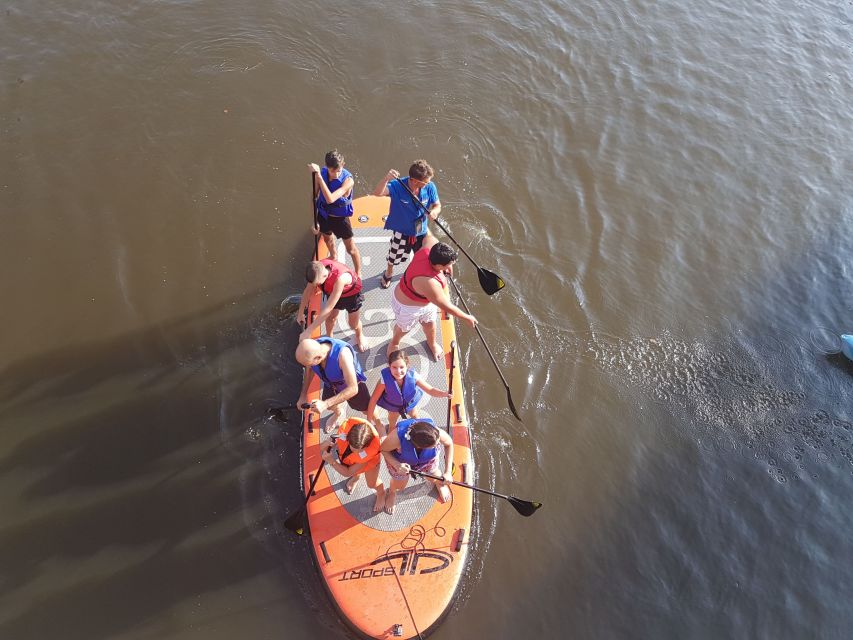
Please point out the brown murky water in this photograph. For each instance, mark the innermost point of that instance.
(664, 186)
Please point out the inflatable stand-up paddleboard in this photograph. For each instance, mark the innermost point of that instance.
(390, 576)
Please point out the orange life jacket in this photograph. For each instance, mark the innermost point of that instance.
(369, 456)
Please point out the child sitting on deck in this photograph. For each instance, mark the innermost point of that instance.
(358, 450)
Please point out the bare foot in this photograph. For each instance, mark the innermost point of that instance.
(350, 487)
(390, 498)
(380, 502)
(437, 351)
(360, 345)
(443, 493)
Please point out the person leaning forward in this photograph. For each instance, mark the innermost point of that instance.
(334, 361)
(342, 288)
(422, 288)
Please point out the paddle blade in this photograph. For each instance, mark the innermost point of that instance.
(490, 282)
(524, 507)
(512, 405)
(296, 522)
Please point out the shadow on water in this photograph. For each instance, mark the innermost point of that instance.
(146, 472)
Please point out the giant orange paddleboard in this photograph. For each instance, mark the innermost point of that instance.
(390, 576)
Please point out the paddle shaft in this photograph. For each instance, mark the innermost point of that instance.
(489, 351)
(450, 381)
(463, 484)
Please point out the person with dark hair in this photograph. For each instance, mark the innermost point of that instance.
(405, 218)
(341, 288)
(334, 185)
(413, 445)
(357, 445)
(421, 290)
(399, 391)
(339, 369)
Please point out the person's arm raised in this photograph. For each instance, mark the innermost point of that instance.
(382, 188)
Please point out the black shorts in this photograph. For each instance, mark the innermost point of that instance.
(338, 225)
(350, 304)
(359, 401)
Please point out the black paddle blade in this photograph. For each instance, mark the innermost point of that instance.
(524, 507)
(296, 522)
(490, 281)
(512, 405)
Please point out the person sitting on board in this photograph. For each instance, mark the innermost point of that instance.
(405, 218)
(413, 445)
(339, 369)
(399, 390)
(334, 206)
(422, 288)
(357, 445)
(341, 287)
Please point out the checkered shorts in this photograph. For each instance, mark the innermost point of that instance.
(401, 245)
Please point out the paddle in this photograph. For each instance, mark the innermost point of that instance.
(314, 208)
(450, 380)
(489, 351)
(491, 282)
(278, 412)
(296, 522)
(524, 507)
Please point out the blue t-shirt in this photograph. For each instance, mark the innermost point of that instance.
(404, 215)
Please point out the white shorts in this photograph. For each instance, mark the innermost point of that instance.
(407, 316)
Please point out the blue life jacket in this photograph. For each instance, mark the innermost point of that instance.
(404, 215)
(333, 376)
(342, 207)
(416, 459)
(391, 398)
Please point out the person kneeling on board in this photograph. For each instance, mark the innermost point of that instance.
(413, 445)
(398, 391)
(341, 287)
(343, 379)
(358, 451)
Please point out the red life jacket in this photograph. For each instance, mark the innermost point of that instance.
(419, 267)
(369, 456)
(336, 270)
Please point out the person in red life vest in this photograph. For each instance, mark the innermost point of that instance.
(341, 288)
(357, 445)
(421, 290)
(405, 218)
(413, 445)
(334, 361)
(334, 206)
(398, 391)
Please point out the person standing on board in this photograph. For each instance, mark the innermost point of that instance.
(334, 206)
(421, 290)
(414, 445)
(399, 390)
(357, 446)
(339, 369)
(341, 287)
(405, 218)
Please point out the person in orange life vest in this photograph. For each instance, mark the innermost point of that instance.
(334, 206)
(341, 287)
(343, 379)
(399, 390)
(405, 218)
(357, 445)
(421, 290)
(414, 445)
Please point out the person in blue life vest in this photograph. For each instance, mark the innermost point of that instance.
(413, 445)
(341, 288)
(398, 391)
(405, 218)
(334, 206)
(335, 362)
(421, 291)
